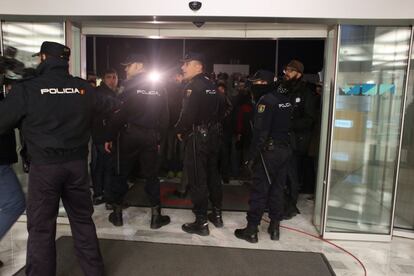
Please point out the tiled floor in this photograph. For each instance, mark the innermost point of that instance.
(394, 258)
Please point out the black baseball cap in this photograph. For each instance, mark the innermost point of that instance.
(134, 58)
(193, 56)
(263, 75)
(54, 49)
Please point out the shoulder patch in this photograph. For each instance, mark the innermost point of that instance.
(261, 108)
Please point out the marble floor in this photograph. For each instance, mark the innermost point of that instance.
(379, 258)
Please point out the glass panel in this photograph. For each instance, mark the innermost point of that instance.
(370, 89)
(27, 38)
(20, 41)
(404, 211)
(75, 56)
(328, 90)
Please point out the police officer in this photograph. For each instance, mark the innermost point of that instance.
(55, 114)
(303, 118)
(268, 156)
(145, 114)
(198, 125)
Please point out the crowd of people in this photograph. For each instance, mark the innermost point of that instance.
(201, 128)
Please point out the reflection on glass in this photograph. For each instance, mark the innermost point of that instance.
(368, 108)
(27, 38)
(20, 42)
(404, 211)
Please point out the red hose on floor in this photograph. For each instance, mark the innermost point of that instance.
(322, 239)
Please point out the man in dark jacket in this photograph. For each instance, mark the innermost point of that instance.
(102, 162)
(303, 117)
(12, 202)
(55, 111)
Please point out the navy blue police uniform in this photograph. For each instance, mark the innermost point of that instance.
(142, 118)
(199, 122)
(268, 154)
(55, 111)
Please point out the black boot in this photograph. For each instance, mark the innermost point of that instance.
(158, 220)
(248, 234)
(199, 227)
(1, 263)
(215, 217)
(273, 230)
(116, 216)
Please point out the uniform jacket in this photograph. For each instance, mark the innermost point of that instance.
(271, 121)
(55, 111)
(145, 105)
(203, 106)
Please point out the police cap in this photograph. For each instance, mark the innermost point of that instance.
(193, 56)
(263, 75)
(134, 58)
(54, 49)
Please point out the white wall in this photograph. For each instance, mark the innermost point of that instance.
(341, 9)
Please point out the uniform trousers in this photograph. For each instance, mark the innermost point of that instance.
(47, 185)
(263, 192)
(201, 166)
(136, 145)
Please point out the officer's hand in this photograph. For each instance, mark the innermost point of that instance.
(108, 147)
(180, 137)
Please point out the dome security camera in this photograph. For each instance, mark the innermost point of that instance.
(198, 24)
(195, 5)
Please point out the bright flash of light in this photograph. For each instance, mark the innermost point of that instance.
(154, 76)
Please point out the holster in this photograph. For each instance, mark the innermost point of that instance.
(271, 144)
(202, 133)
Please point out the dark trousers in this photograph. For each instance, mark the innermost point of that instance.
(137, 145)
(101, 170)
(224, 155)
(47, 185)
(201, 166)
(262, 191)
(292, 184)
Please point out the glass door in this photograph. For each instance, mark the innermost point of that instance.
(404, 211)
(366, 125)
(328, 92)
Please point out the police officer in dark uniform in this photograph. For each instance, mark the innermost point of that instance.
(303, 118)
(55, 113)
(198, 125)
(268, 156)
(142, 118)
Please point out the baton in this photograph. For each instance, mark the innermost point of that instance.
(263, 161)
(195, 154)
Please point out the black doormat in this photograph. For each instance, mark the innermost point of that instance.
(126, 258)
(235, 197)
